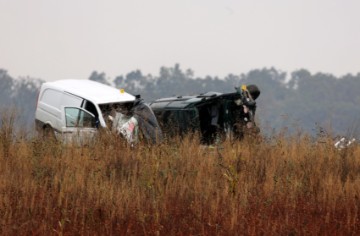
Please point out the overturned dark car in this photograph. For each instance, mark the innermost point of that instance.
(215, 116)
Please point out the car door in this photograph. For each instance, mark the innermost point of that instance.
(79, 125)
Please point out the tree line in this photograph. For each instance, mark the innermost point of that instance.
(298, 101)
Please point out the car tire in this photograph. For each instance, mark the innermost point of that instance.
(48, 133)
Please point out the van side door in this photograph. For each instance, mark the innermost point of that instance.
(80, 125)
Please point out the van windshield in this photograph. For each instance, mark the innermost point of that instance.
(119, 114)
(110, 110)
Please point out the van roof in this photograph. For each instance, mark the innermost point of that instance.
(91, 90)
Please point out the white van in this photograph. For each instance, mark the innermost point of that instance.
(77, 108)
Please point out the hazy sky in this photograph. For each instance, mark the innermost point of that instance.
(59, 39)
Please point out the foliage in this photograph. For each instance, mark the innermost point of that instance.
(280, 186)
(300, 100)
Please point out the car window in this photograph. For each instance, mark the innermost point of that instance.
(90, 107)
(76, 117)
(71, 100)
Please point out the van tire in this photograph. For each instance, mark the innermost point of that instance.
(48, 133)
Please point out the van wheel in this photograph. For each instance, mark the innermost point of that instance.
(48, 133)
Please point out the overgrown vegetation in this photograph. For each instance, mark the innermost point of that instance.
(279, 186)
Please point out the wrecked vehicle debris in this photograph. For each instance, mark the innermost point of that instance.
(137, 119)
(148, 123)
(216, 116)
(344, 142)
(74, 110)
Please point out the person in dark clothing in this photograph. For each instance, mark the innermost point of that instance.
(244, 114)
(254, 91)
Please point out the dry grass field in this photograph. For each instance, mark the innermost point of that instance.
(279, 186)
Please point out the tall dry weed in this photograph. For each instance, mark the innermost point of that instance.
(282, 185)
(7, 122)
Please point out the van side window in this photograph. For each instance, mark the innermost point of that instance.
(90, 107)
(76, 117)
(71, 100)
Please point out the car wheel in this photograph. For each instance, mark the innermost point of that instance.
(48, 133)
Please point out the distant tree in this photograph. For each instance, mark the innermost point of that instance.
(233, 80)
(305, 101)
(6, 85)
(99, 77)
(25, 92)
(172, 81)
(119, 81)
(299, 76)
(189, 73)
(20, 94)
(135, 82)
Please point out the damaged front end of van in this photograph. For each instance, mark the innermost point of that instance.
(133, 121)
